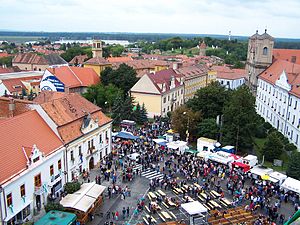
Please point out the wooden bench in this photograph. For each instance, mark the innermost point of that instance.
(148, 210)
(145, 220)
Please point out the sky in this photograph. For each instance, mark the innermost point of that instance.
(241, 17)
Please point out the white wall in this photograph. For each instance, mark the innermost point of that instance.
(27, 178)
(231, 84)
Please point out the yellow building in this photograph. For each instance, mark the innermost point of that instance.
(195, 77)
(161, 92)
(98, 64)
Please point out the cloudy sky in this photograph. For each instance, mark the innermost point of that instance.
(242, 17)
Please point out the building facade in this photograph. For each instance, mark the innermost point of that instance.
(32, 169)
(230, 78)
(277, 99)
(161, 92)
(259, 57)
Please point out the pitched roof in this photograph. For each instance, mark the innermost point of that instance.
(16, 84)
(224, 72)
(21, 106)
(139, 64)
(291, 55)
(73, 76)
(273, 72)
(192, 71)
(78, 59)
(9, 69)
(97, 61)
(17, 132)
(119, 59)
(33, 58)
(261, 36)
(163, 77)
(68, 112)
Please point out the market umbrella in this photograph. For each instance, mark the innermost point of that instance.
(170, 131)
(265, 177)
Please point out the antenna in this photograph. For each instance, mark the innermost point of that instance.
(229, 36)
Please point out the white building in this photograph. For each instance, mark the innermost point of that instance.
(31, 168)
(230, 78)
(84, 129)
(277, 99)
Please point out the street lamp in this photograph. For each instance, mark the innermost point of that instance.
(187, 127)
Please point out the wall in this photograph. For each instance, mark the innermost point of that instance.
(152, 102)
(98, 68)
(231, 84)
(27, 178)
(178, 94)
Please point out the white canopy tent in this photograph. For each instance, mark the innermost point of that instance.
(291, 184)
(194, 208)
(277, 177)
(260, 171)
(181, 146)
(84, 198)
(220, 157)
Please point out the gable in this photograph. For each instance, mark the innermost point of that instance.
(51, 83)
(283, 82)
(145, 85)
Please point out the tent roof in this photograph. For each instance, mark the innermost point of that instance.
(261, 171)
(239, 164)
(194, 207)
(277, 175)
(84, 198)
(126, 135)
(291, 184)
(54, 217)
(176, 144)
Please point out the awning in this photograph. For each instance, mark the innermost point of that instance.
(160, 141)
(126, 135)
(192, 151)
(291, 184)
(194, 208)
(177, 144)
(84, 198)
(56, 217)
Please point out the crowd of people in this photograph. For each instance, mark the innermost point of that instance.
(260, 197)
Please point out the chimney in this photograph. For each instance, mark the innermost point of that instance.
(175, 66)
(11, 107)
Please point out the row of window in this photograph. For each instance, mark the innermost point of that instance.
(174, 94)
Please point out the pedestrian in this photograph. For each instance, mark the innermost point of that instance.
(117, 215)
(124, 213)
(108, 215)
(127, 210)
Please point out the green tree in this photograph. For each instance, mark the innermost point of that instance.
(208, 128)
(137, 114)
(122, 109)
(72, 187)
(273, 147)
(183, 119)
(6, 61)
(240, 119)
(53, 206)
(293, 169)
(144, 117)
(209, 100)
(105, 75)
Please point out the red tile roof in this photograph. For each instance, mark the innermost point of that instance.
(164, 77)
(273, 72)
(97, 61)
(26, 130)
(68, 111)
(3, 54)
(21, 106)
(73, 76)
(224, 72)
(16, 84)
(78, 59)
(119, 59)
(33, 58)
(190, 72)
(287, 54)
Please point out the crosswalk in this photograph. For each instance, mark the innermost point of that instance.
(152, 174)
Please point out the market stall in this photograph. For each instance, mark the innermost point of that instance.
(178, 146)
(259, 171)
(84, 201)
(277, 177)
(196, 211)
(221, 157)
(291, 184)
(206, 144)
(240, 165)
(125, 135)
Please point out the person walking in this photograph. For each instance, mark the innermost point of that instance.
(127, 210)
(124, 213)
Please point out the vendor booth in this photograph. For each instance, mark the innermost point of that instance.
(204, 154)
(160, 141)
(221, 157)
(259, 171)
(84, 201)
(196, 211)
(245, 168)
(178, 146)
(277, 177)
(206, 144)
(250, 160)
(291, 184)
(55, 217)
(125, 135)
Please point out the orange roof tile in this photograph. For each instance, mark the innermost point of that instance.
(273, 72)
(79, 59)
(73, 76)
(119, 59)
(16, 85)
(287, 54)
(225, 72)
(17, 132)
(21, 106)
(68, 111)
(97, 61)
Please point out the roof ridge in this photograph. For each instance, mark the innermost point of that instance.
(75, 75)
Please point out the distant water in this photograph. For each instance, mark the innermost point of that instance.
(110, 42)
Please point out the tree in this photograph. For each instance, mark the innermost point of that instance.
(208, 128)
(293, 169)
(122, 109)
(209, 100)
(273, 147)
(144, 117)
(136, 115)
(240, 119)
(183, 119)
(53, 206)
(72, 187)
(105, 75)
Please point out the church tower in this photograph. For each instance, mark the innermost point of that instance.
(97, 48)
(259, 57)
(202, 49)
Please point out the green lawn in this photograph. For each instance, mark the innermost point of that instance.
(276, 168)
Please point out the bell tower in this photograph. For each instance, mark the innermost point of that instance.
(202, 49)
(97, 48)
(259, 57)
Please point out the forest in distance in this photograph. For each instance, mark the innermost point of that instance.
(131, 37)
